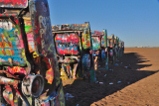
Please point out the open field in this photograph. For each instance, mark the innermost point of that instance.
(132, 81)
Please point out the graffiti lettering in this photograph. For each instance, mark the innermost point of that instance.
(42, 31)
(43, 23)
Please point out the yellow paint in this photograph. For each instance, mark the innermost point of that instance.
(49, 76)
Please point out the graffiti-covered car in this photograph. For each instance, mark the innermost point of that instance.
(113, 48)
(73, 46)
(121, 48)
(29, 75)
(116, 47)
(111, 52)
(99, 46)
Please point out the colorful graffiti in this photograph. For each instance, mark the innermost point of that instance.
(29, 33)
(20, 39)
(32, 49)
(73, 27)
(14, 3)
(104, 41)
(73, 44)
(97, 40)
(84, 28)
(11, 45)
(96, 43)
(67, 43)
(42, 27)
(45, 50)
(86, 40)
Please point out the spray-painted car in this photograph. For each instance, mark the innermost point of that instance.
(121, 48)
(29, 75)
(111, 51)
(116, 47)
(73, 45)
(113, 48)
(99, 43)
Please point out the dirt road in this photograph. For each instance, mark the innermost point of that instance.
(132, 81)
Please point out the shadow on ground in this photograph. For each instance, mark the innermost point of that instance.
(125, 72)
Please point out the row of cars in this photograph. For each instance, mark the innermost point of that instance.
(34, 54)
(79, 49)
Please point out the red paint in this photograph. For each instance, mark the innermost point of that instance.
(16, 70)
(74, 38)
(65, 39)
(38, 40)
(98, 33)
(15, 2)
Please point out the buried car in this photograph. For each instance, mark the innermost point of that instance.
(99, 43)
(113, 48)
(29, 75)
(73, 46)
(111, 52)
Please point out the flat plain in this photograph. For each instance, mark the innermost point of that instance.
(132, 81)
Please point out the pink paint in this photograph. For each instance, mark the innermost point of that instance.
(98, 33)
(30, 37)
(15, 2)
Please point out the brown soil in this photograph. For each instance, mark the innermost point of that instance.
(133, 81)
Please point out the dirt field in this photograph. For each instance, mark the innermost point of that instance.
(132, 81)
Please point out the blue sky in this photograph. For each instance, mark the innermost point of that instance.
(136, 22)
